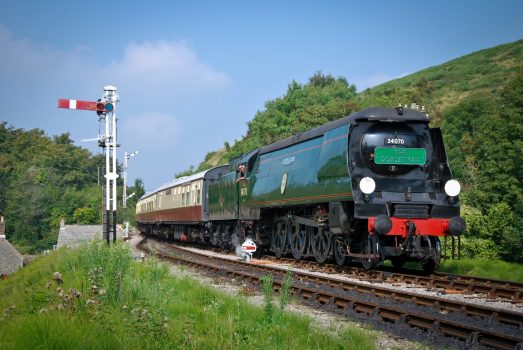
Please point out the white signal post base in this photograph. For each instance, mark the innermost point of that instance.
(126, 158)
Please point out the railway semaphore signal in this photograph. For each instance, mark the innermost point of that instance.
(106, 110)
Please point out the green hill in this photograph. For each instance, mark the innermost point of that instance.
(483, 72)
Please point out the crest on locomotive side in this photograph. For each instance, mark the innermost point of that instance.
(283, 183)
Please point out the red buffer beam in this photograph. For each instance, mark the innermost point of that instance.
(77, 104)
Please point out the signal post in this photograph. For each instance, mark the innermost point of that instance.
(106, 110)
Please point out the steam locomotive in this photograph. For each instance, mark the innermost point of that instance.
(372, 186)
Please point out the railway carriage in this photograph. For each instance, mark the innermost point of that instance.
(178, 209)
(372, 186)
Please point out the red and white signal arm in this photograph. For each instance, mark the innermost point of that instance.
(100, 106)
(249, 246)
(77, 104)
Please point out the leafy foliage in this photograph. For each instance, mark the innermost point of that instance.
(479, 248)
(43, 180)
(84, 216)
(484, 139)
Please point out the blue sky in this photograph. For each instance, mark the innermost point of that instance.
(191, 74)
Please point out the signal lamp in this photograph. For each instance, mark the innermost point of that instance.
(104, 107)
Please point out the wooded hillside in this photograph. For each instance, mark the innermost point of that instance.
(44, 179)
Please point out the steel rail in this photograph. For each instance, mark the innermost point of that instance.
(492, 288)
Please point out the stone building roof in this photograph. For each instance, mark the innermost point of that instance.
(74, 235)
(10, 259)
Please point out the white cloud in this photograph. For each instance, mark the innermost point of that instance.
(142, 68)
(165, 63)
(159, 129)
(173, 62)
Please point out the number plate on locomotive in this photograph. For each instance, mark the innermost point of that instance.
(400, 156)
(394, 141)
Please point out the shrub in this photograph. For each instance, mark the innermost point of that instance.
(479, 248)
(266, 282)
(84, 216)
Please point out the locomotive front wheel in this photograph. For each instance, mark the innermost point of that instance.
(370, 246)
(340, 250)
(432, 263)
(298, 241)
(321, 244)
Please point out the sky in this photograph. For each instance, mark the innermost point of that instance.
(191, 74)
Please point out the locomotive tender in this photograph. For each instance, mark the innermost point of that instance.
(368, 187)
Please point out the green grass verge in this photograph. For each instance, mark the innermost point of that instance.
(495, 269)
(103, 300)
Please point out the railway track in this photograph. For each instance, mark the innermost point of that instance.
(492, 288)
(474, 324)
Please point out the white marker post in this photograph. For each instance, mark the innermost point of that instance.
(126, 157)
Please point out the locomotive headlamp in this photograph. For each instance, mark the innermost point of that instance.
(367, 185)
(452, 188)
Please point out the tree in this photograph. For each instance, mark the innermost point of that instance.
(85, 216)
(28, 206)
(44, 179)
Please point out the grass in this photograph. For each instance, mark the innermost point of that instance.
(103, 300)
(494, 269)
(482, 71)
